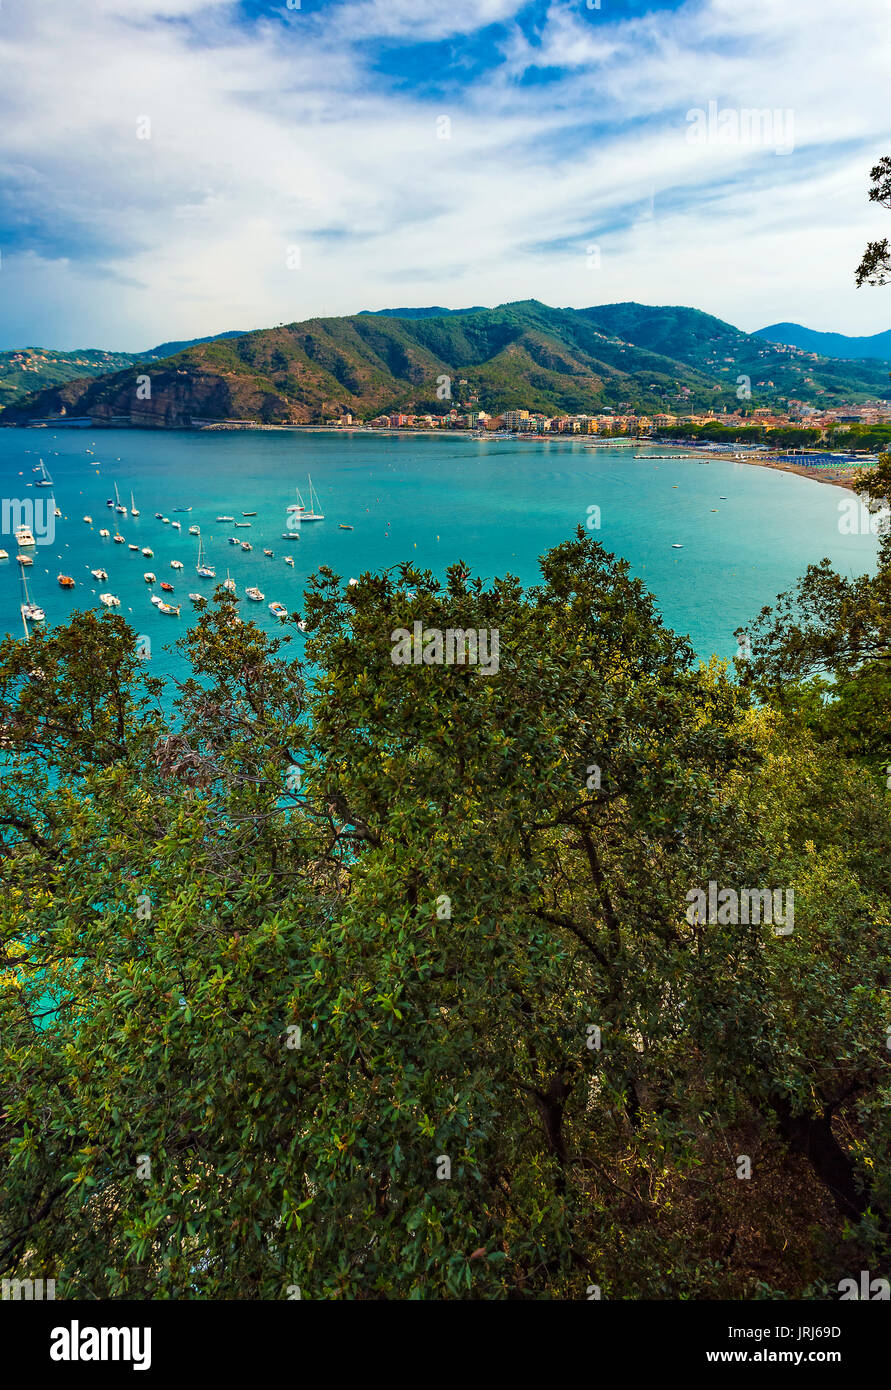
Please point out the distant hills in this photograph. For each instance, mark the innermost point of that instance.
(525, 354)
(828, 344)
(26, 370)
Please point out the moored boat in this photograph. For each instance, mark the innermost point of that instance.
(149, 577)
(110, 600)
(255, 594)
(65, 581)
(99, 574)
(278, 610)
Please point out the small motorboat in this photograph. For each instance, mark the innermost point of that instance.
(110, 600)
(248, 513)
(166, 520)
(225, 518)
(104, 532)
(246, 545)
(4, 554)
(157, 600)
(119, 539)
(159, 516)
(289, 560)
(134, 547)
(278, 610)
(290, 535)
(149, 554)
(197, 598)
(343, 527)
(233, 540)
(25, 559)
(254, 593)
(149, 577)
(268, 552)
(242, 523)
(676, 546)
(176, 564)
(88, 520)
(171, 608)
(194, 531)
(168, 588)
(99, 574)
(176, 525)
(65, 581)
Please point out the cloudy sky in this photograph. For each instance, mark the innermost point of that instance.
(173, 168)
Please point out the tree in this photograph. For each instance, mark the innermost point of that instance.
(875, 267)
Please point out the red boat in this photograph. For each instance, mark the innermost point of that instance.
(66, 581)
(165, 585)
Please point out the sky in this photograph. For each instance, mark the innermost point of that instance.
(176, 168)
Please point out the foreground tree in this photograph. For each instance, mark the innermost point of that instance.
(380, 979)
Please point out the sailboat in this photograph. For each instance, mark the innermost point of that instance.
(229, 583)
(118, 504)
(133, 509)
(30, 610)
(301, 510)
(44, 480)
(204, 570)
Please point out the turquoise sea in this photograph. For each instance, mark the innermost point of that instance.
(498, 505)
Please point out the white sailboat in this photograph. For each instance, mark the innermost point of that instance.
(133, 508)
(30, 611)
(229, 583)
(118, 504)
(44, 480)
(301, 511)
(202, 568)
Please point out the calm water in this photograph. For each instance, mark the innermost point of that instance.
(498, 505)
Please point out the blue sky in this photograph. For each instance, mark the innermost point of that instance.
(182, 167)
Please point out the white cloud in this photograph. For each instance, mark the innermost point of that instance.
(283, 134)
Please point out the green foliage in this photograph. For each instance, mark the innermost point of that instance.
(468, 893)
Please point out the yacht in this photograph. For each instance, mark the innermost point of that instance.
(110, 600)
(24, 536)
(99, 574)
(204, 571)
(304, 513)
(254, 593)
(31, 611)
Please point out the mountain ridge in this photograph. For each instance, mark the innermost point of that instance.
(838, 345)
(524, 354)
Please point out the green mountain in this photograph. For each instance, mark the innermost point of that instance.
(829, 344)
(24, 371)
(525, 354)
